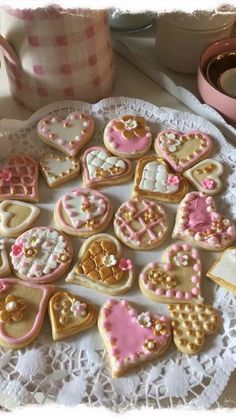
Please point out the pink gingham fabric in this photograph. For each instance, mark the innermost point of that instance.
(60, 55)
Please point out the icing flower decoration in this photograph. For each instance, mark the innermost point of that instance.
(5, 175)
(30, 252)
(150, 345)
(160, 328)
(145, 320)
(109, 260)
(91, 224)
(11, 309)
(173, 179)
(17, 249)
(170, 142)
(115, 169)
(131, 126)
(125, 265)
(208, 183)
(78, 309)
(3, 286)
(150, 216)
(128, 215)
(181, 259)
(63, 258)
(100, 173)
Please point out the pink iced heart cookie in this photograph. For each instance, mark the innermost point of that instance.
(101, 168)
(132, 338)
(128, 136)
(176, 279)
(182, 151)
(199, 223)
(83, 212)
(41, 255)
(19, 179)
(69, 134)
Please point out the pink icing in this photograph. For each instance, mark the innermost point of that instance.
(125, 265)
(3, 286)
(199, 218)
(209, 183)
(173, 179)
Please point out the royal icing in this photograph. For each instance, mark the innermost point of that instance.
(41, 254)
(177, 278)
(4, 262)
(130, 337)
(199, 222)
(223, 272)
(69, 134)
(128, 135)
(182, 150)
(58, 169)
(16, 217)
(19, 179)
(140, 223)
(206, 176)
(17, 307)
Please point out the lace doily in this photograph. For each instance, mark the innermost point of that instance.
(77, 370)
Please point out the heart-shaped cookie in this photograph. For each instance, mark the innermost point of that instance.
(154, 180)
(223, 272)
(16, 217)
(132, 338)
(83, 212)
(206, 176)
(4, 261)
(19, 179)
(69, 315)
(22, 309)
(177, 278)
(199, 223)
(68, 135)
(191, 323)
(41, 255)
(101, 267)
(182, 151)
(101, 168)
(58, 169)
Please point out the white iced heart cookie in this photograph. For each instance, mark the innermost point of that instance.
(223, 272)
(16, 217)
(69, 134)
(4, 261)
(153, 179)
(101, 168)
(58, 169)
(205, 176)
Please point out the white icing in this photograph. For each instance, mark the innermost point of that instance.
(225, 268)
(99, 159)
(5, 217)
(67, 133)
(154, 179)
(170, 142)
(56, 167)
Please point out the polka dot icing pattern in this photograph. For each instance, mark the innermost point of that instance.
(140, 223)
(144, 337)
(58, 169)
(176, 278)
(182, 151)
(198, 221)
(41, 254)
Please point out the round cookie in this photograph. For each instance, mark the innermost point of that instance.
(41, 255)
(128, 136)
(83, 212)
(141, 224)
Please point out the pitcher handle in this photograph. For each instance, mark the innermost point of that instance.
(9, 53)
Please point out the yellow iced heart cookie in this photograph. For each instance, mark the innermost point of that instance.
(206, 176)
(16, 217)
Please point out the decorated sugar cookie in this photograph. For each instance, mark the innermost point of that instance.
(128, 136)
(140, 224)
(19, 179)
(199, 223)
(223, 272)
(191, 323)
(176, 279)
(58, 169)
(68, 135)
(83, 212)
(22, 310)
(154, 180)
(69, 315)
(16, 217)
(102, 267)
(41, 254)
(132, 338)
(101, 168)
(206, 176)
(182, 151)
(4, 261)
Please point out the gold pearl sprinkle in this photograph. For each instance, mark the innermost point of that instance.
(177, 332)
(182, 342)
(191, 346)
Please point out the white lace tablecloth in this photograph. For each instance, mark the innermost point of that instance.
(77, 370)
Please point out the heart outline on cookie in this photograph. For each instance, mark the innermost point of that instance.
(177, 278)
(5, 269)
(199, 223)
(100, 266)
(206, 176)
(5, 217)
(223, 271)
(170, 142)
(153, 179)
(67, 134)
(58, 169)
(100, 167)
(132, 338)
